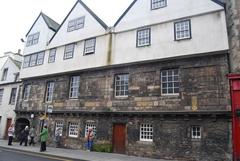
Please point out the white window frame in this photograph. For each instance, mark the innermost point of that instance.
(119, 87)
(33, 39)
(5, 73)
(93, 126)
(73, 129)
(76, 24)
(40, 58)
(170, 81)
(49, 91)
(89, 46)
(156, 4)
(1, 95)
(74, 87)
(59, 124)
(26, 61)
(26, 92)
(33, 60)
(52, 55)
(69, 51)
(196, 132)
(182, 30)
(143, 37)
(146, 132)
(13, 96)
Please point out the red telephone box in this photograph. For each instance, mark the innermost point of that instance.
(235, 97)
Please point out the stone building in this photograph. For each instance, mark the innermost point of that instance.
(10, 64)
(233, 24)
(153, 85)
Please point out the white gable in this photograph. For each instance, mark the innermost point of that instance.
(91, 28)
(12, 70)
(45, 35)
(140, 14)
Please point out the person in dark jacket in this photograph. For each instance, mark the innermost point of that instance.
(24, 136)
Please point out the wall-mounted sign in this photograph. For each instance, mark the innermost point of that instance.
(49, 108)
(194, 103)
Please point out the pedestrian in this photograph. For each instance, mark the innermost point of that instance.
(90, 137)
(57, 138)
(43, 138)
(32, 134)
(10, 134)
(24, 136)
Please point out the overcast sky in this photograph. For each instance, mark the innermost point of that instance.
(17, 16)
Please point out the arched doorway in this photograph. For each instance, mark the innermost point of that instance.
(21, 123)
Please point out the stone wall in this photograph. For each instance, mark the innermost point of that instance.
(171, 136)
(233, 24)
(204, 92)
(203, 86)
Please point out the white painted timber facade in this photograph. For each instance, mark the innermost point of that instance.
(9, 85)
(117, 45)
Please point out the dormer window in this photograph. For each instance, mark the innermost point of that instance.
(33, 39)
(4, 75)
(156, 4)
(76, 24)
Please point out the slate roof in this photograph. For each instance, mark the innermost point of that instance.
(17, 63)
(50, 22)
(53, 25)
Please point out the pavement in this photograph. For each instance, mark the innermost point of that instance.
(75, 154)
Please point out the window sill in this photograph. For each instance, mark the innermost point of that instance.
(121, 97)
(73, 137)
(87, 54)
(170, 95)
(145, 142)
(195, 139)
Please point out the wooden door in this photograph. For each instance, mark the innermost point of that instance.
(119, 138)
(236, 118)
(9, 122)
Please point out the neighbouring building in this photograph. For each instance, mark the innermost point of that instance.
(233, 21)
(10, 64)
(152, 85)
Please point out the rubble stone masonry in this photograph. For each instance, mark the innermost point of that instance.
(203, 100)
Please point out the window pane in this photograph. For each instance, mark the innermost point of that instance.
(90, 46)
(74, 86)
(49, 91)
(52, 54)
(143, 37)
(121, 85)
(158, 4)
(69, 49)
(33, 60)
(40, 58)
(26, 61)
(182, 30)
(33, 39)
(76, 24)
(146, 132)
(170, 81)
